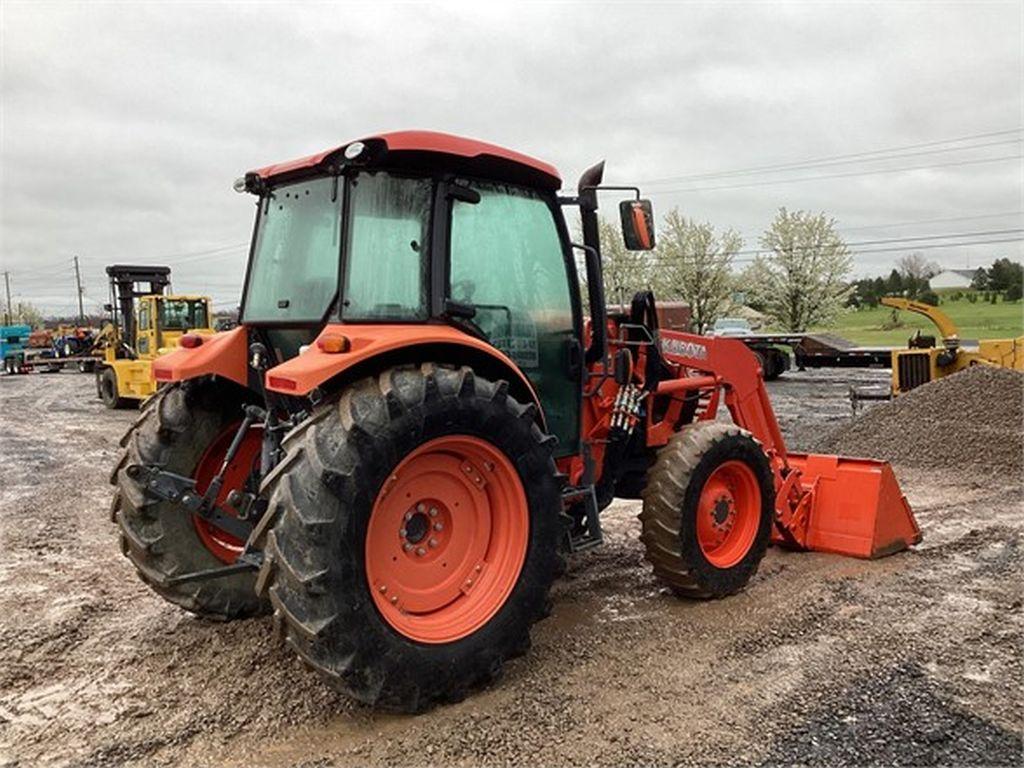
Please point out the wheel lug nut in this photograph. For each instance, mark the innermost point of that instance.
(407, 546)
(408, 516)
(421, 551)
(394, 599)
(383, 588)
(403, 533)
(438, 527)
(432, 542)
(421, 507)
(433, 511)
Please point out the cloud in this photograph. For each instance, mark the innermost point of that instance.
(124, 125)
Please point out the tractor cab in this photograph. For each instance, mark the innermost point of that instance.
(430, 233)
(161, 321)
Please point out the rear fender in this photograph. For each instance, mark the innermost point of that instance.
(371, 347)
(222, 354)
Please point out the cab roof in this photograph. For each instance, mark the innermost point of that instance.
(428, 151)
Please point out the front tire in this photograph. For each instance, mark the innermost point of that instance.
(177, 431)
(356, 575)
(708, 508)
(106, 386)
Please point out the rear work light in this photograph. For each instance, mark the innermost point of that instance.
(191, 340)
(333, 343)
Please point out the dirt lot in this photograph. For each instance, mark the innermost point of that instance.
(915, 659)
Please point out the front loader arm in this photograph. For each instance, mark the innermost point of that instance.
(735, 368)
(823, 503)
(947, 328)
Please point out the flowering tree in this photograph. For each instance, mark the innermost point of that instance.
(694, 264)
(802, 280)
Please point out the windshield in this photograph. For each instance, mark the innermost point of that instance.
(294, 271)
(726, 323)
(182, 314)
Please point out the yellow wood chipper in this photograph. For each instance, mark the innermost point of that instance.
(924, 361)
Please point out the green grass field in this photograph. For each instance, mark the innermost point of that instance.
(975, 321)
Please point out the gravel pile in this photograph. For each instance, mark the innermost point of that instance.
(972, 420)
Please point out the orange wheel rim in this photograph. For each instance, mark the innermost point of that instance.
(728, 514)
(447, 538)
(223, 545)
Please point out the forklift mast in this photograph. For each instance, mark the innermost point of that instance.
(123, 292)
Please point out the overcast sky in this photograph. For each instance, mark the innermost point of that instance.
(124, 125)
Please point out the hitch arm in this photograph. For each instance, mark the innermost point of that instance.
(180, 490)
(252, 414)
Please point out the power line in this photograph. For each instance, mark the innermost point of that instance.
(843, 158)
(769, 183)
(44, 273)
(937, 237)
(891, 240)
(808, 166)
(748, 235)
(856, 252)
(219, 253)
(933, 221)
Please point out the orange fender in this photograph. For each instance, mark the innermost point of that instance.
(315, 365)
(223, 354)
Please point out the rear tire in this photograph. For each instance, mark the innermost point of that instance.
(708, 508)
(106, 386)
(161, 539)
(328, 493)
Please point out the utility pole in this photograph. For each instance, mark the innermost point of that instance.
(78, 282)
(10, 310)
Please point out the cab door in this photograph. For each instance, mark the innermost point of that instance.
(144, 326)
(507, 260)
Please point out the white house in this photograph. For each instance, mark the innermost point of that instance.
(952, 278)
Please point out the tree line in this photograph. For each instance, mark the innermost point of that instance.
(799, 279)
(911, 275)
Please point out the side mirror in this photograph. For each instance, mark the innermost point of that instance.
(637, 224)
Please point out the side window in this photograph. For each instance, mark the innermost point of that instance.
(386, 259)
(506, 260)
(144, 316)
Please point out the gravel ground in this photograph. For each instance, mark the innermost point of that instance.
(914, 659)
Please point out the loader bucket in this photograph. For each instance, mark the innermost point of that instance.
(857, 508)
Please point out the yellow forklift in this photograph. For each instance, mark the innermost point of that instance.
(145, 323)
(923, 360)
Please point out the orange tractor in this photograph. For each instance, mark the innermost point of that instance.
(416, 420)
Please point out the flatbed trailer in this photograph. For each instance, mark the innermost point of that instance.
(27, 360)
(813, 350)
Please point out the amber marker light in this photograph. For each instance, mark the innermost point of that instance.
(333, 343)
